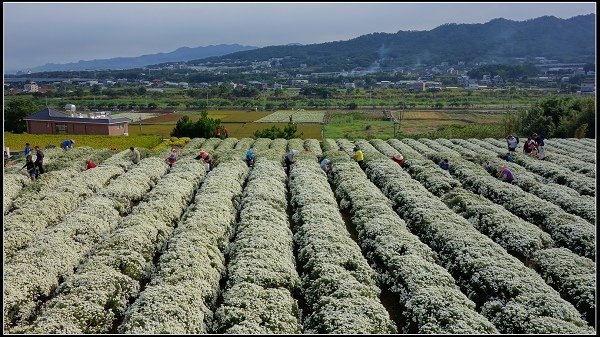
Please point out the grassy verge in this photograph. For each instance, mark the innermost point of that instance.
(16, 142)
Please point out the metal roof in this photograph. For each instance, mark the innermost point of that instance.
(48, 114)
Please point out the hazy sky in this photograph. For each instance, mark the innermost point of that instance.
(40, 33)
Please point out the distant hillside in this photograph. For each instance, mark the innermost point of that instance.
(180, 55)
(566, 40)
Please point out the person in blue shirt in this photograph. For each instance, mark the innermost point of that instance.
(250, 156)
(508, 157)
(444, 164)
(67, 144)
(27, 149)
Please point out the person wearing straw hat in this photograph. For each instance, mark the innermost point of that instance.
(398, 159)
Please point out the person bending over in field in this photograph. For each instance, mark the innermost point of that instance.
(89, 164)
(207, 160)
(30, 165)
(250, 156)
(444, 164)
(398, 159)
(134, 155)
(171, 159)
(506, 174)
(359, 157)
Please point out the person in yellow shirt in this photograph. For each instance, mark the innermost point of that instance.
(358, 156)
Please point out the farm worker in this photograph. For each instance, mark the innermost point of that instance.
(512, 142)
(306, 148)
(134, 155)
(529, 145)
(326, 165)
(506, 174)
(27, 149)
(39, 160)
(226, 132)
(207, 159)
(290, 157)
(67, 144)
(358, 156)
(250, 156)
(399, 159)
(539, 139)
(89, 164)
(218, 132)
(508, 157)
(30, 165)
(171, 159)
(444, 164)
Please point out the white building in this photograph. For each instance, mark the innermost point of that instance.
(31, 87)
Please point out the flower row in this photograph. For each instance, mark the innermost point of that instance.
(566, 229)
(184, 285)
(573, 276)
(98, 293)
(338, 284)
(560, 195)
(21, 225)
(513, 297)
(261, 272)
(432, 302)
(556, 173)
(576, 149)
(296, 117)
(565, 197)
(13, 183)
(34, 272)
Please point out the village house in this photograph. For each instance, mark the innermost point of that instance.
(50, 121)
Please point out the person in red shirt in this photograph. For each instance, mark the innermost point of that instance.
(399, 159)
(89, 164)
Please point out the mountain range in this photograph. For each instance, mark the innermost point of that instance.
(497, 41)
(179, 55)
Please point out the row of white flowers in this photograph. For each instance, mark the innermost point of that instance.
(262, 143)
(587, 156)
(279, 144)
(13, 183)
(261, 272)
(566, 198)
(184, 285)
(337, 283)
(21, 225)
(573, 164)
(97, 294)
(16, 196)
(383, 147)
(563, 196)
(329, 144)
(297, 117)
(55, 157)
(314, 146)
(465, 147)
(131, 188)
(406, 151)
(575, 146)
(72, 159)
(564, 160)
(513, 297)
(556, 173)
(517, 236)
(296, 144)
(567, 230)
(432, 301)
(432, 144)
(192, 147)
(573, 276)
(34, 272)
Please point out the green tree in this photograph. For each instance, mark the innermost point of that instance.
(14, 112)
(95, 90)
(202, 128)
